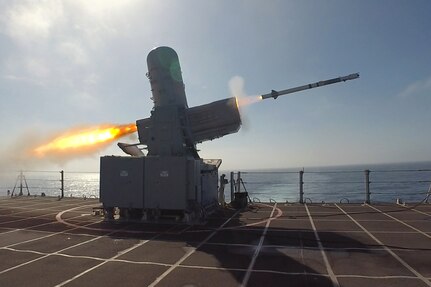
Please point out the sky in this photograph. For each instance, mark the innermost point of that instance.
(74, 63)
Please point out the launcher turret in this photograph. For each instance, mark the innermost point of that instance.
(172, 180)
(173, 128)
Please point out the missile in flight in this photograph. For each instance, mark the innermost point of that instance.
(275, 94)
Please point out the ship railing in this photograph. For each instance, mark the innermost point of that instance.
(344, 186)
(50, 183)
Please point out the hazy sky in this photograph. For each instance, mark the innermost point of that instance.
(70, 63)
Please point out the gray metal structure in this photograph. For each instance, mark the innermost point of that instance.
(171, 180)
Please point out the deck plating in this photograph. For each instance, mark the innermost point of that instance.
(365, 245)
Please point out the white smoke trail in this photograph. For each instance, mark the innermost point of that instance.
(236, 86)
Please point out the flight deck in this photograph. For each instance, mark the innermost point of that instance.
(51, 242)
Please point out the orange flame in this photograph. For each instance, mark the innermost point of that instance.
(247, 100)
(84, 139)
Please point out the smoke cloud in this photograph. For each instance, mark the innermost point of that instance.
(15, 155)
(236, 87)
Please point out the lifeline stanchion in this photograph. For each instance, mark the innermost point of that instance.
(367, 186)
(301, 186)
(62, 183)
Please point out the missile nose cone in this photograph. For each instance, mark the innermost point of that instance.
(350, 77)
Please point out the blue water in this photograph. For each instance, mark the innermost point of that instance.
(407, 181)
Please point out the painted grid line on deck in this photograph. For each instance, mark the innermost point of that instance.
(419, 211)
(213, 267)
(182, 266)
(48, 223)
(257, 250)
(54, 253)
(40, 238)
(27, 207)
(270, 271)
(142, 242)
(400, 221)
(28, 218)
(190, 252)
(405, 264)
(334, 280)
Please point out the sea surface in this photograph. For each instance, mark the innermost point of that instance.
(408, 182)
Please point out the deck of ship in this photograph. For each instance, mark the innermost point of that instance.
(47, 242)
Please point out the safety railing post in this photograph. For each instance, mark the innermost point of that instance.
(238, 182)
(301, 186)
(62, 183)
(367, 186)
(232, 187)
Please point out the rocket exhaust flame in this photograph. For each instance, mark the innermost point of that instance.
(84, 140)
(236, 86)
(247, 100)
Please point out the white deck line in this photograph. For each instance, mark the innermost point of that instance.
(50, 232)
(257, 250)
(20, 218)
(322, 251)
(190, 252)
(414, 209)
(420, 211)
(343, 220)
(39, 238)
(400, 221)
(49, 235)
(275, 229)
(37, 225)
(213, 267)
(105, 261)
(142, 242)
(23, 209)
(339, 249)
(253, 271)
(14, 205)
(336, 249)
(378, 277)
(49, 254)
(405, 264)
(7, 200)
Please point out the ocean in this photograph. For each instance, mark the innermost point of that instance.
(408, 182)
